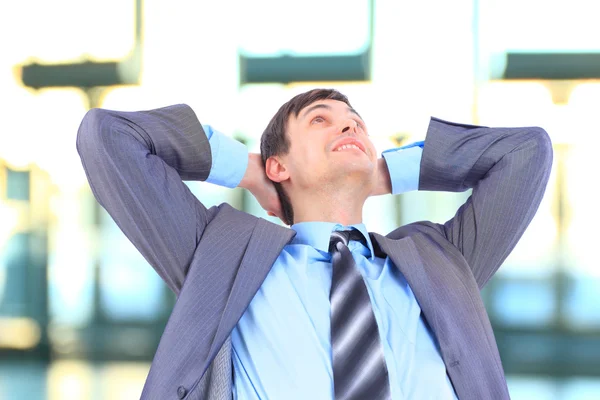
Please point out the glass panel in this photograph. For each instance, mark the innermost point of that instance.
(23, 380)
(296, 36)
(60, 112)
(514, 104)
(9, 216)
(581, 211)
(581, 389)
(15, 259)
(533, 25)
(380, 214)
(17, 185)
(70, 265)
(582, 303)
(523, 303)
(527, 388)
(581, 203)
(51, 39)
(129, 288)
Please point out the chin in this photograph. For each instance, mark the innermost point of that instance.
(354, 172)
(362, 166)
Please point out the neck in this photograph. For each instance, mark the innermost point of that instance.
(329, 204)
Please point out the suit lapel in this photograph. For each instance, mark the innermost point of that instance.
(265, 245)
(449, 299)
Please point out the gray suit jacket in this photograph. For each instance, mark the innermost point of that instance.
(216, 259)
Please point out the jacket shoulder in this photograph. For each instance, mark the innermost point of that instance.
(426, 228)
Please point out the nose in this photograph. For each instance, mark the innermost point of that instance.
(349, 126)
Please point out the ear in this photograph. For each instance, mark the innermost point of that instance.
(276, 170)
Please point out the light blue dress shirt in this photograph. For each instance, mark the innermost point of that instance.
(281, 344)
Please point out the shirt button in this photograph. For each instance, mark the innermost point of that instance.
(181, 392)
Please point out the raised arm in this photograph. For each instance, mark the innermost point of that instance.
(398, 170)
(135, 163)
(507, 168)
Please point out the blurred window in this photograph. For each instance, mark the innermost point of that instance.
(348, 32)
(17, 185)
(130, 290)
(15, 259)
(533, 25)
(105, 30)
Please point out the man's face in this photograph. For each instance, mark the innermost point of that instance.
(329, 144)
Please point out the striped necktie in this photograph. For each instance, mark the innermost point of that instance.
(359, 369)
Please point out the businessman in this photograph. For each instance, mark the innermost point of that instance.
(323, 309)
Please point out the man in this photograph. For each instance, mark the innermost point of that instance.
(324, 310)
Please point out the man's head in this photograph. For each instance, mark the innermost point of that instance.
(301, 150)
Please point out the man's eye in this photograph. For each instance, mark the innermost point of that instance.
(318, 120)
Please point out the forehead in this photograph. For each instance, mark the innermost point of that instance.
(334, 106)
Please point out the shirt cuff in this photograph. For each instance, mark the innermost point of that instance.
(229, 159)
(404, 166)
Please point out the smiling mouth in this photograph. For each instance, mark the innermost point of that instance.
(346, 147)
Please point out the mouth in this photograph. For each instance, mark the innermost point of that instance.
(349, 145)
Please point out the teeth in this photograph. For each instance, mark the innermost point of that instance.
(346, 146)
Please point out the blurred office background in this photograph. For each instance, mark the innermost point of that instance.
(81, 312)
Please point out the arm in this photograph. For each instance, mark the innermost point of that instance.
(233, 166)
(507, 168)
(398, 170)
(135, 163)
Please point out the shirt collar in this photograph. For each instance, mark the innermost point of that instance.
(317, 234)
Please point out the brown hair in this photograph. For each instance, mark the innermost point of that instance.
(275, 142)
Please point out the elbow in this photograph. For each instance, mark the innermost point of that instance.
(544, 146)
(540, 145)
(92, 131)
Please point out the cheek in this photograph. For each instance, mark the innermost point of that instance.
(373, 150)
(308, 160)
(374, 153)
(298, 159)
(311, 151)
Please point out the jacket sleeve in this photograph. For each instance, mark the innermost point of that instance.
(508, 170)
(135, 163)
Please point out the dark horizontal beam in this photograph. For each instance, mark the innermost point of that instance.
(552, 66)
(82, 75)
(549, 352)
(287, 69)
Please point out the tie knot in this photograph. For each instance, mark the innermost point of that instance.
(344, 237)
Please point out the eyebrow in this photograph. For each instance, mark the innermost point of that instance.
(327, 107)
